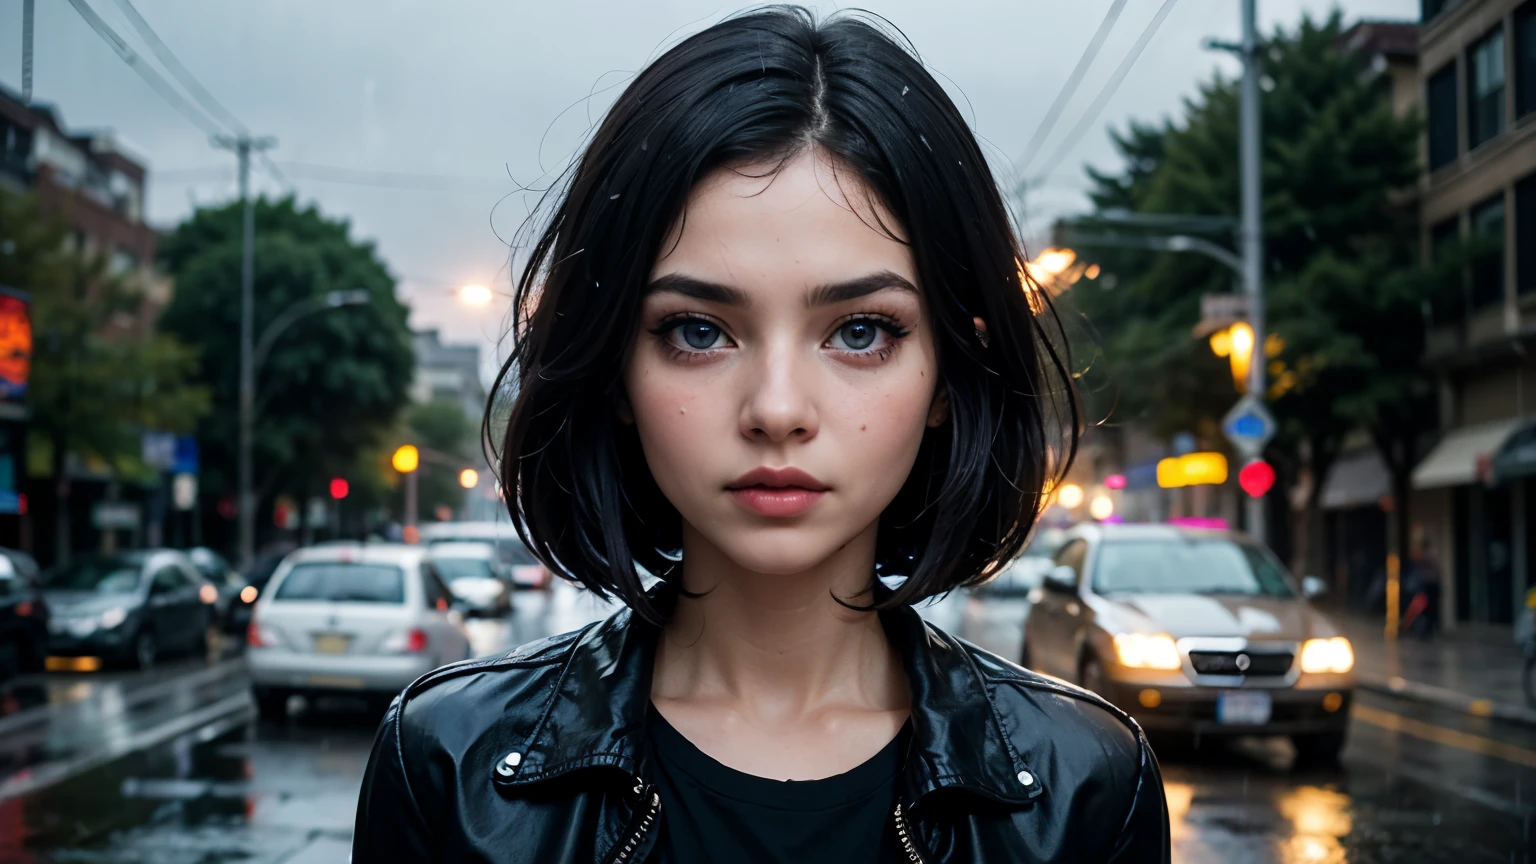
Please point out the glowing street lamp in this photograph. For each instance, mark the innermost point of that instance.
(1101, 508)
(469, 478)
(475, 295)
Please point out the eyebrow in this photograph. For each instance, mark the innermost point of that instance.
(823, 295)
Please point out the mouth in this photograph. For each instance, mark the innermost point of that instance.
(777, 492)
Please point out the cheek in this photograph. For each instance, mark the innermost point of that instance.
(671, 418)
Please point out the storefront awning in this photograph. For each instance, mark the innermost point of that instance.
(1455, 460)
(1356, 479)
(1517, 458)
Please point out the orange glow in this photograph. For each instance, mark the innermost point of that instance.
(208, 594)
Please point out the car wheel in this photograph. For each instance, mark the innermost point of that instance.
(144, 650)
(271, 703)
(1090, 676)
(1318, 748)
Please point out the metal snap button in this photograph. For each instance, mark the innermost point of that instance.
(508, 764)
(1026, 778)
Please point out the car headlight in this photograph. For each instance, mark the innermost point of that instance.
(1147, 651)
(1327, 655)
(113, 617)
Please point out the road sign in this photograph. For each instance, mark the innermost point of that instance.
(1249, 426)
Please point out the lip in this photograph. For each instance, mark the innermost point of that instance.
(777, 492)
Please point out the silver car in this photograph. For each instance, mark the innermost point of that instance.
(359, 619)
(475, 574)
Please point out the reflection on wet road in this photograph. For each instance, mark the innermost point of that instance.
(171, 767)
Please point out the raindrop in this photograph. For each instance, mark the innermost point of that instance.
(924, 139)
(644, 144)
(904, 90)
(613, 197)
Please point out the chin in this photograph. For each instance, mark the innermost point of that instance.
(782, 550)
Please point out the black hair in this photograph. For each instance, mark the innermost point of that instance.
(765, 86)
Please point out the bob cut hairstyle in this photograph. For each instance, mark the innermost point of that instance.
(757, 89)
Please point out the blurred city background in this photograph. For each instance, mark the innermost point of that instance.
(254, 267)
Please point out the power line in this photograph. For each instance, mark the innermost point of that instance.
(146, 72)
(179, 70)
(1048, 122)
(387, 179)
(1109, 88)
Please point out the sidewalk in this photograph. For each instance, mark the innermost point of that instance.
(1475, 668)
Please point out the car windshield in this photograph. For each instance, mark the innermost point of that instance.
(454, 569)
(1187, 566)
(338, 582)
(97, 574)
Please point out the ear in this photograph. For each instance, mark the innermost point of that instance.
(938, 412)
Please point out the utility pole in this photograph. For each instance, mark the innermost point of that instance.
(26, 51)
(1252, 230)
(244, 145)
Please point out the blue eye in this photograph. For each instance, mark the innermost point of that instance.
(699, 334)
(859, 335)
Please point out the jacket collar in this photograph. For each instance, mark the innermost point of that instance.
(596, 713)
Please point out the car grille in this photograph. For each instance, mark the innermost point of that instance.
(1231, 663)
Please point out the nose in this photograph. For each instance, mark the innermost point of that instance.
(779, 405)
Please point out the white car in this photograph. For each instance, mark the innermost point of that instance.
(527, 572)
(360, 619)
(475, 575)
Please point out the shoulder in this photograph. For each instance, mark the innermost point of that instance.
(453, 706)
(1056, 723)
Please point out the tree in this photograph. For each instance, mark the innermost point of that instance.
(96, 385)
(1343, 290)
(334, 383)
(441, 427)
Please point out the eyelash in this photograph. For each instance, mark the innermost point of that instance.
(668, 325)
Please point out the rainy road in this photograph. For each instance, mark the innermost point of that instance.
(171, 767)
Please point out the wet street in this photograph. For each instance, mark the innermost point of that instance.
(170, 766)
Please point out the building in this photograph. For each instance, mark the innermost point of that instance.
(453, 372)
(86, 180)
(1475, 496)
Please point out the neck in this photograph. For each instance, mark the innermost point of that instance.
(778, 645)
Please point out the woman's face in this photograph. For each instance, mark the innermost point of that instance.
(784, 369)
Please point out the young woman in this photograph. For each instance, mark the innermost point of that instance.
(773, 348)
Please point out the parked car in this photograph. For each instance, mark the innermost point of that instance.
(23, 621)
(216, 569)
(475, 575)
(358, 619)
(995, 613)
(130, 608)
(1196, 631)
(526, 570)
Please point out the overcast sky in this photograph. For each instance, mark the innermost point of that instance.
(482, 92)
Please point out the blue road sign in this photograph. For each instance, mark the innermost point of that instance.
(1249, 426)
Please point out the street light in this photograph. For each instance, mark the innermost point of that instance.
(406, 460)
(469, 478)
(475, 295)
(1070, 496)
(244, 499)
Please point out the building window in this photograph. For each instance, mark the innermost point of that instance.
(1525, 59)
(1488, 267)
(1485, 88)
(1525, 235)
(1450, 305)
(1440, 93)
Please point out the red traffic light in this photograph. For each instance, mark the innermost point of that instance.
(339, 488)
(1256, 478)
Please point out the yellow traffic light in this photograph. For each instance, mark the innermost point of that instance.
(406, 459)
(469, 478)
(1194, 469)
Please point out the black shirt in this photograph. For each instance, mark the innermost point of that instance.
(710, 812)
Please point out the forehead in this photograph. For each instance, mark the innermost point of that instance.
(808, 222)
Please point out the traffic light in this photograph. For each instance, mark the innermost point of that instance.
(406, 458)
(339, 488)
(1256, 478)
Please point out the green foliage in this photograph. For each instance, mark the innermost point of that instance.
(441, 426)
(334, 383)
(96, 382)
(1342, 288)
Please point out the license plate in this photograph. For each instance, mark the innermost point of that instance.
(335, 683)
(332, 643)
(1244, 707)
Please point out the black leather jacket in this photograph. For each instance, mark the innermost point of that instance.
(540, 756)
